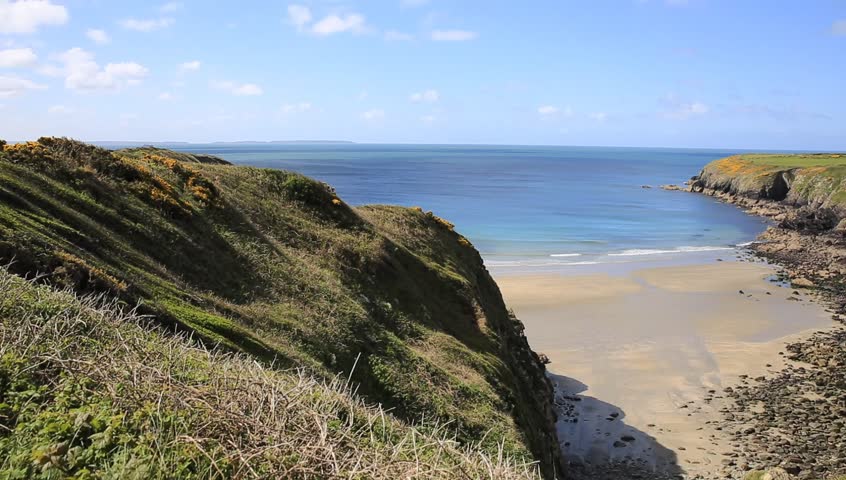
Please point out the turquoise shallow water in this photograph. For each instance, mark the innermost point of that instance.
(528, 205)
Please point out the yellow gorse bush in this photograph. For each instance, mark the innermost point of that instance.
(193, 182)
(27, 147)
(80, 274)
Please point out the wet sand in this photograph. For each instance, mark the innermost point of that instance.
(641, 355)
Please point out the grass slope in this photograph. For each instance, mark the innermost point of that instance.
(141, 152)
(800, 179)
(88, 390)
(274, 264)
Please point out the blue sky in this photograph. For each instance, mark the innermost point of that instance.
(695, 73)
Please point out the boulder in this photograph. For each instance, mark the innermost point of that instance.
(802, 282)
(811, 220)
(776, 474)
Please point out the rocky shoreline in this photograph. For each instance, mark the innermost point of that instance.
(796, 419)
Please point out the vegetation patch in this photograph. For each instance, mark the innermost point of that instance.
(275, 265)
(89, 390)
(818, 179)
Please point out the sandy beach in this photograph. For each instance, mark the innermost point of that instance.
(641, 355)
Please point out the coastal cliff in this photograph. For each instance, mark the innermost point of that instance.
(812, 180)
(796, 418)
(271, 267)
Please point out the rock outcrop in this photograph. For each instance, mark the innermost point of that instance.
(793, 422)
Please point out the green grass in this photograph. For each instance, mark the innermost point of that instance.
(796, 160)
(275, 265)
(140, 152)
(89, 390)
(814, 179)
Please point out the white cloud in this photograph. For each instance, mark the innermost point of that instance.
(82, 73)
(146, 25)
(299, 15)
(25, 16)
(247, 89)
(396, 36)
(165, 96)
(374, 114)
(296, 107)
(426, 96)
(171, 7)
(11, 86)
(687, 110)
(59, 110)
(191, 66)
(428, 119)
(598, 116)
(550, 110)
(99, 37)
(839, 27)
(677, 109)
(17, 57)
(547, 110)
(49, 70)
(238, 89)
(331, 24)
(453, 35)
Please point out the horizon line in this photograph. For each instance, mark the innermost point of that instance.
(352, 142)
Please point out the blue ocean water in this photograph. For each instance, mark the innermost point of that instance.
(527, 205)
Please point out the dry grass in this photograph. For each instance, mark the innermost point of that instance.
(76, 372)
(280, 268)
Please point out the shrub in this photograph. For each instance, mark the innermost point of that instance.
(305, 190)
(72, 271)
(90, 391)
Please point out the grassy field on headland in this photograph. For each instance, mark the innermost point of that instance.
(812, 179)
(805, 196)
(267, 263)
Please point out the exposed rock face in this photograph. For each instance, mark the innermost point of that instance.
(795, 420)
(815, 187)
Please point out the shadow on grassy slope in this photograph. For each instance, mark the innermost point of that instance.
(275, 264)
(88, 390)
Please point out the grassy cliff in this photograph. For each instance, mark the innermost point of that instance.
(275, 266)
(818, 180)
(90, 390)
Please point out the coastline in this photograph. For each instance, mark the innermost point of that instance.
(640, 356)
(796, 419)
(777, 401)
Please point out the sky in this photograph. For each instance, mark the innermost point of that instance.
(759, 74)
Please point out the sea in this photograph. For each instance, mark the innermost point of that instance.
(528, 206)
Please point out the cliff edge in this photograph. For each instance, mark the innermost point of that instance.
(272, 265)
(774, 423)
(798, 180)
